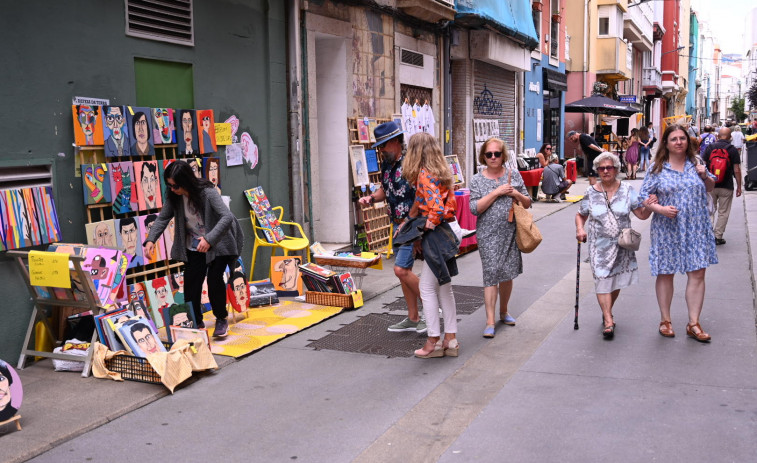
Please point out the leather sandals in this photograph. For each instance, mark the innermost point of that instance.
(666, 329)
(700, 336)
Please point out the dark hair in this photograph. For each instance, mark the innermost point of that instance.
(5, 371)
(663, 155)
(150, 219)
(139, 326)
(182, 175)
(134, 120)
(644, 132)
(126, 221)
(543, 147)
(95, 109)
(234, 276)
(150, 166)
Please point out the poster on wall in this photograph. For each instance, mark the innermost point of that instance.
(116, 132)
(88, 130)
(140, 128)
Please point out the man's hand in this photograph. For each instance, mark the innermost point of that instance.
(366, 200)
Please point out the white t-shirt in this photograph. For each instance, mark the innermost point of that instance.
(194, 223)
(737, 139)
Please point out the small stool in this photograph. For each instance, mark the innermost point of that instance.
(16, 418)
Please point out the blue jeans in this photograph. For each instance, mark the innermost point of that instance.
(404, 256)
(644, 156)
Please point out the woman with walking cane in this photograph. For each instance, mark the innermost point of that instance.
(607, 207)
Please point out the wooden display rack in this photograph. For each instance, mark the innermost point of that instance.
(90, 302)
(374, 218)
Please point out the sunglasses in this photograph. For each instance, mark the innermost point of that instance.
(173, 186)
(548, 149)
(491, 154)
(605, 168)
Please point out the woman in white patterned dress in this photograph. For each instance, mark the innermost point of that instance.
(491, 196)
(613, 267)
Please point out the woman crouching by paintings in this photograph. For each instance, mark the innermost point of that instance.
(425, 167)
(607, 206)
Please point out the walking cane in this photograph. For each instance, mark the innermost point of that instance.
(578, 281)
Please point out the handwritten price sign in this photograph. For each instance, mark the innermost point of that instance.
(49, 269)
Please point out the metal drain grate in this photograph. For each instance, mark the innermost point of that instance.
(467, 298)
(369, 336)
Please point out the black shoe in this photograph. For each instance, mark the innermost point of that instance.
(719, 241)
(562, 196)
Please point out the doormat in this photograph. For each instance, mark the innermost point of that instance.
(467, 299)
(262, 326)
(368, 335)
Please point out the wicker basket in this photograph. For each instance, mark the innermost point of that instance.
(330, 299)
(335, 262)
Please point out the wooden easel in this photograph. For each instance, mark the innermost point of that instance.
(90, 302)
(16, 418)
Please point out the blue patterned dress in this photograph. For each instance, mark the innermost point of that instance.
(687, 242)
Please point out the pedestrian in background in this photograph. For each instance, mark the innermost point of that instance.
(492, 192)
(722, 193)
(646, 141)
(399, 195)
(681, 234)
(207, 238)
(426, 168)
(632, 155)
(544, 154)
(737, 138)
(591, 149)
(607, 207)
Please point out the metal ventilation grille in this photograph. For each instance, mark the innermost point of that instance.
(412, 58)
(163, 20)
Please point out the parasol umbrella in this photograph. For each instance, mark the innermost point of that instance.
(598, 104)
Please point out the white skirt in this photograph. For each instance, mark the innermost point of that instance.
(619, 281)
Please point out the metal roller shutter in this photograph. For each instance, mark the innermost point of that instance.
(499, 102)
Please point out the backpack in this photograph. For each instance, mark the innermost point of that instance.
(719, 163)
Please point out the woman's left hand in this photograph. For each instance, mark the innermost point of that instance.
(203, 246)
(430, 225)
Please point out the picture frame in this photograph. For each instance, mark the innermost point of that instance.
(363, 134)
(189, 334)
(359, 165)
(457, 171)
(371, 156)
(286, 275)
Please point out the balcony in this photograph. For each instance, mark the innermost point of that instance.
(638, 28)
(612, 59)
(622, 4)
(651, 81)
(431, 11)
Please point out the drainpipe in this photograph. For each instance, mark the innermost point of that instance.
(294, 106)
(586, 59)
(447, 89)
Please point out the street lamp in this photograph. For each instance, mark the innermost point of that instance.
(673, 51)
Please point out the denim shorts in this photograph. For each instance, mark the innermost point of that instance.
(403, 256)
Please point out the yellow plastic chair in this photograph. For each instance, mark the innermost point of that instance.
(288, 244)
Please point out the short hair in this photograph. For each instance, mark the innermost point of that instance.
(126, 222)
(150, 219)
(553, 158)
(139, 326)
(482, 151)
(5, 371)
(150, 167)
(571, 133)
(607, 156)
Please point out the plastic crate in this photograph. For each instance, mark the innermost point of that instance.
(134, 368)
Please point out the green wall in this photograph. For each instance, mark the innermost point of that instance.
(55, 50)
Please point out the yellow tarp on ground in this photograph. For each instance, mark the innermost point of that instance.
(573, 198)
(262, 326)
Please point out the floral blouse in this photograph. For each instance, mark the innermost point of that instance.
(399, 193)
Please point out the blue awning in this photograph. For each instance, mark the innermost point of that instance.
(512, 17)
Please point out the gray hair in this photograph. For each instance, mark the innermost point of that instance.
(607, 156)
(737, 128)
(571, 133)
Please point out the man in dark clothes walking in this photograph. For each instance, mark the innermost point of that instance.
(591, 149)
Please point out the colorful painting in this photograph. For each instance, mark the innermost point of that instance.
(177, 287)
(285, 275)
(12, 391)
(186, 132)
(263, 293)
(28, 217)
(101, 233)
(127, 240)
(211, 170)
(457, 171)
(168, 236)
(148, 185)
(196, 165)
(162, 165)
(116, 132)
(88, 129)
(145, 225)
(180, 315)
(139, 122)
(372, 124)
(103, 266)
(206, 131)
(362, 131)
(264, 214)
(163, 129)
(359, 165)
(159, 293)
(95, 184)
(139, 337)
(238, 291)
(120, 175)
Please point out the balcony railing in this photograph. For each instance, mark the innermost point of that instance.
(612, 58)
(651, 77)
(637, 23)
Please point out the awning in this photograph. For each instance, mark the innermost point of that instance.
(513, 18)
(554, 80)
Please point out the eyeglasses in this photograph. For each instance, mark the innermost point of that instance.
(491, 154)
(605, 168)
(173, 186)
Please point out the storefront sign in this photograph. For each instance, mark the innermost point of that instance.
(534, 87)
(627, 98)
(90, 101)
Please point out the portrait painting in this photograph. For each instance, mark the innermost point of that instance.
(101, 233)
(168, 236)
(148, 185)
(285, 275)
(127, 240)
(238, 291)
(359, 165)
(88, 129)
(116, 132)
(362, 131)
(186, 132)
(180, 315)
(162, 165)
(159, 293)
(211, 170)
(177, 287)
(196, 165)
(140, 127)
(140, 337)
(145, 225)
(120, 175)
(206, 129)
(140, 309)
(11, 391)
(95, 184)
(163, 129)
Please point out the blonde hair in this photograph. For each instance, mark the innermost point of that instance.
(424, 152)
(503, 148)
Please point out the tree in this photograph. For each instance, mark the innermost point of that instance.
(751, 95)
(737, 108)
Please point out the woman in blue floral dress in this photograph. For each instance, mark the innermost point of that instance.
(613, 267)
(682, 240)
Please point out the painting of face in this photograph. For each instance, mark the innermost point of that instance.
(117, 143)
(146, 223)
(241, 291)
(286, 274)
(168, 235)
(11, 392)
(127, 234)
(88, 128)
(145, 339)
(120, 175)
(163, 128)
(96, 184)
(140, 124)
(149, 181)
(207, 133)
(102, 235)
(187, 131)
(195, 167)
(136, 292)
(211, 171)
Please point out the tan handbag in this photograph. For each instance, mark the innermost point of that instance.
(527, 235)
(628, 238)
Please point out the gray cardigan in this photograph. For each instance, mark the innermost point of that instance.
(225, 236)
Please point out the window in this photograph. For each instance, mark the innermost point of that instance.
(163, 83)
(604, 26)
(554, 39)
(162, 20)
